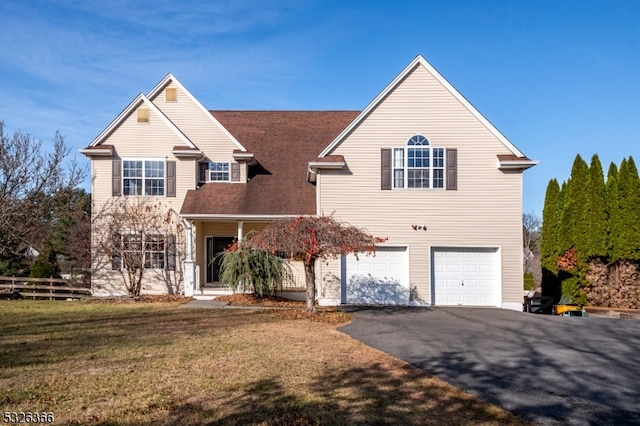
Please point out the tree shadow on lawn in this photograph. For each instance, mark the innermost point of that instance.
(358, 396)
(39, 340)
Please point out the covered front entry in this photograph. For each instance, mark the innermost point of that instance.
(382, 279)
(466, 276)
(215, 246)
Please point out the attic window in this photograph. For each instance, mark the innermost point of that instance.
(170, 94)
(143, 115)
(219, 171)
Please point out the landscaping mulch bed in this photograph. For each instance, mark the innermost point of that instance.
(245, 299)
(295, 309)
(162, 298)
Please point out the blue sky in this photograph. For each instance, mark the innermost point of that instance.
(557, 78)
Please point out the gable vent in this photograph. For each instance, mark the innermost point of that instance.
(143, 115)
(170, 94)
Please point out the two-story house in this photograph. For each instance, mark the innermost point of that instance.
(419, 165)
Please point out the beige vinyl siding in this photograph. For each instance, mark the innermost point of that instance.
(131, 139)
(485, 211)
(198, 127)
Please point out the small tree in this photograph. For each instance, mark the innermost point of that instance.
(139, 235)
(309, 238)
(262, 271)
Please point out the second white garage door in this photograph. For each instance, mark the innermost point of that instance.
(466, 276)
(382, 279)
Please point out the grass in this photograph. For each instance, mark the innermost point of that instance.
(159, 364)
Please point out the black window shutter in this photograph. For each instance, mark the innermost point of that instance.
(452, 169)
(385, 168)
(171, 178)
(171, 252)
(116, 178)
(116, 256)
(235, 172)
(203, 168)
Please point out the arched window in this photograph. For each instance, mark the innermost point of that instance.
(418, 164)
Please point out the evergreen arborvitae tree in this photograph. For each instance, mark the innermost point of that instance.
(597, 211)
(549, 240)
(574, 225)
(613, 210)
(45, 265)
(627, 233)
(550, 225)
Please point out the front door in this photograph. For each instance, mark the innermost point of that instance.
(215, 245)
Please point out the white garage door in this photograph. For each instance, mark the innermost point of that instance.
(382, 279)
(466, 276)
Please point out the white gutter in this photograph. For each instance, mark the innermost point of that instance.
(516, 164)
(96, 152)
(314, 166)
(187, 153)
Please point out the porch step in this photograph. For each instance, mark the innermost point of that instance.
(211, 293)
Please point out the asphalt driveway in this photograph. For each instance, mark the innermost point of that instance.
(551, 370)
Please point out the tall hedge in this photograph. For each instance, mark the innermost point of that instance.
(613, 210)
(549, 248)
(597, 212)
(586, 220)
(574, 225)
(626, 236)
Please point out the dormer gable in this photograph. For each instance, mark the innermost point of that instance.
(162, 96)
(145, 111)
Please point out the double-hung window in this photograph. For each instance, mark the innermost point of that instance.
(219, 171)
(418, 165)
(138, 250)
(143, 177)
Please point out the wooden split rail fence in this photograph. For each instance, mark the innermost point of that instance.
(42, 288)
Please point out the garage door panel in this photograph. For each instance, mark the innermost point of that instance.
(466, 276)
(470, 269)
(377, 280)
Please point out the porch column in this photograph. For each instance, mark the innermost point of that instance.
(188, 263)
(240, 223)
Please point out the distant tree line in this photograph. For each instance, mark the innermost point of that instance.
(590, 248)
(45, 218)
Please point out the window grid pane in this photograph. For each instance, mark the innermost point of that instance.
(398, 167)
(438, 178)
(418, 178)
(154, 169)
(154, 187)
(398, 178)
(132, 174)
(154, 252)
